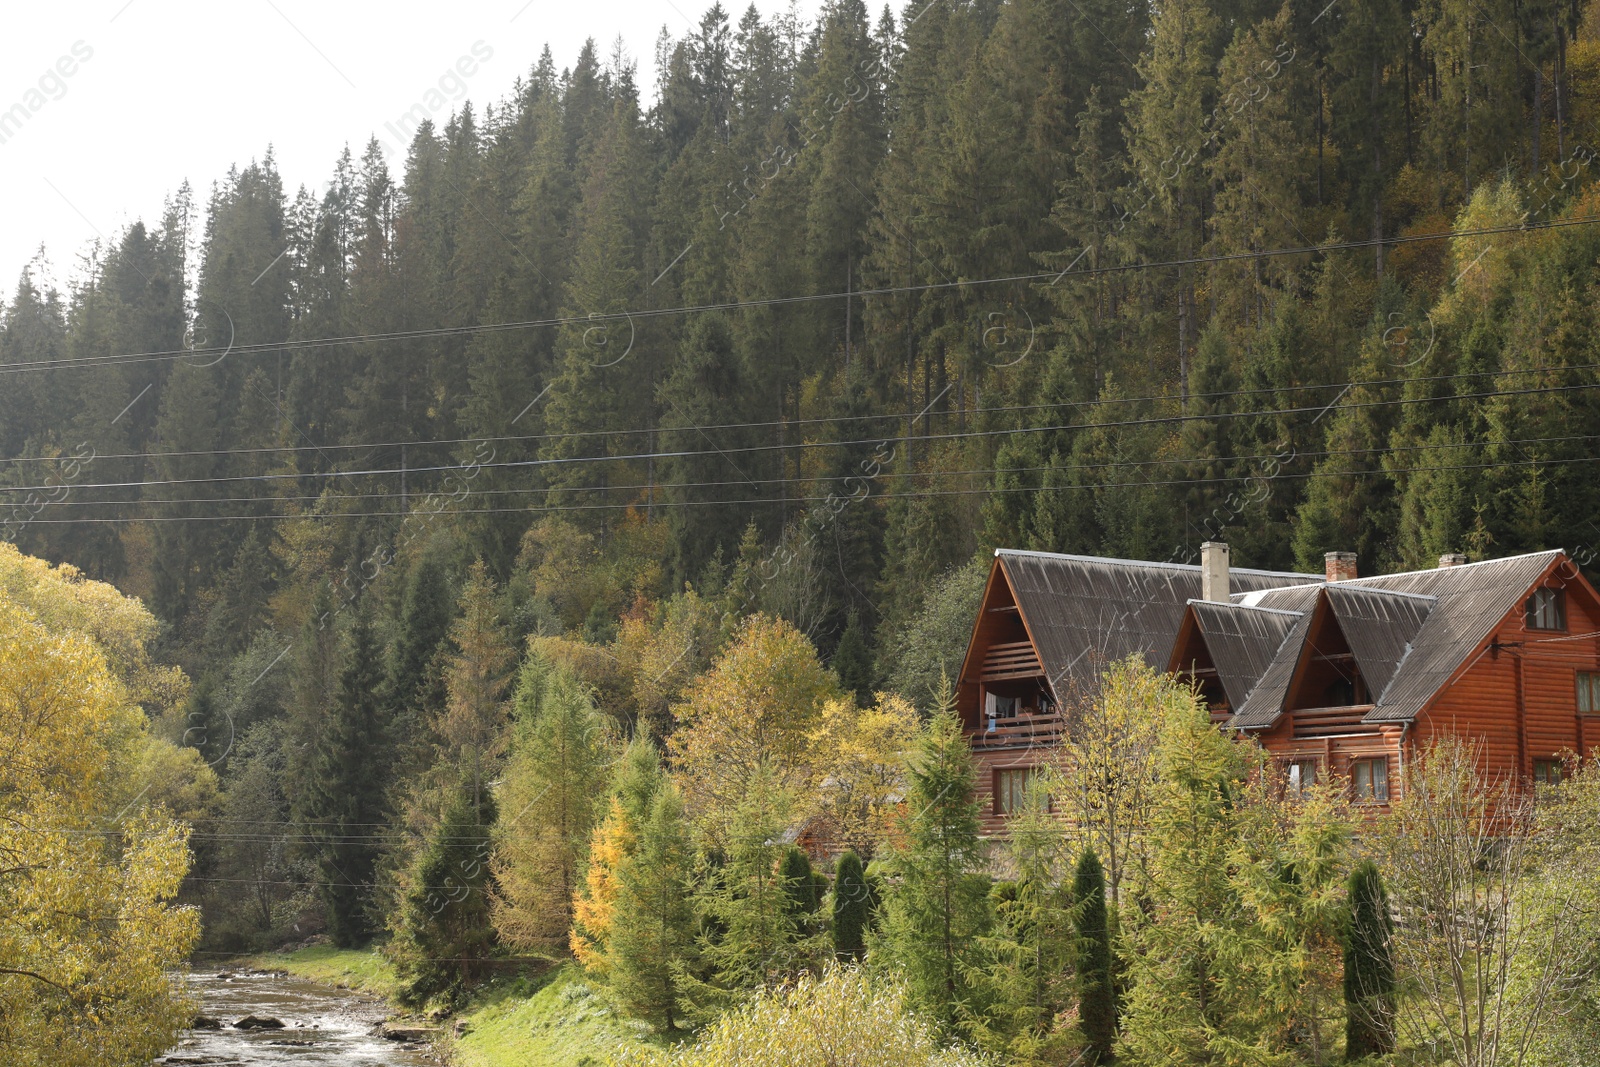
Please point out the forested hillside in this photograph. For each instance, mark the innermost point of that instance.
(796, 332)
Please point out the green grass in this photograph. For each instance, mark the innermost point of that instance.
(352, 968)
(561, 1021)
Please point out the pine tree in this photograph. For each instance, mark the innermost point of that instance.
(851, 909)
(344, 796)
(852, 660)
(443, 928)
(555, 772)
(413, 689)
(652, 934)
(1369, 979)
(942, 906)
(1097, 992)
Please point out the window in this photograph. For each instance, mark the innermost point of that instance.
(1589, 692)
(1547, 771)
(1547, 610)
(1370, 779)
(1302, 776)
(1011, 789)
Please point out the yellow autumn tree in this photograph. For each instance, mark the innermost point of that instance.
(759, 706)
(638, 777)
(595, 905)
(88, 867)
(860, 755)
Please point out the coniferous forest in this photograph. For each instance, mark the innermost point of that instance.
(647, 443)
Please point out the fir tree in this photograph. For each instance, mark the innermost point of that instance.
(1097, 993)
(1027, 979)
(851, 909)
(1369, 979)
(443, 927)
(652, 933)
(344, 793)
(636, 780)
(942, 904)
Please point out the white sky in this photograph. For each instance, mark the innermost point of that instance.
(179, 89)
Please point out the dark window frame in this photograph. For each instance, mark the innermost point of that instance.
(1001, 776)
(1548, 771)
(1546, 609)
(1376, 789)
(1587, 684)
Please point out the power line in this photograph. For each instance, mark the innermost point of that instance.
(559, 461)
(817, 420)
(293, 345)
(637, 505)
(804, 479)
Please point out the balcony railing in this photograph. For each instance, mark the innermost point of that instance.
(1025, 729)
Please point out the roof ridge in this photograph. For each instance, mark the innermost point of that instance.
(1347, 587)
(1248, 607)
(1458, 566)
(1140, 562)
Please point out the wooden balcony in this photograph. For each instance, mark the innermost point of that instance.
(1010, 659)
(1326, 722)
(1025, 730)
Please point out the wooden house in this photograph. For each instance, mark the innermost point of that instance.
(1333, 673)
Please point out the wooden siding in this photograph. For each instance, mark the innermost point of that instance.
(1518, 697)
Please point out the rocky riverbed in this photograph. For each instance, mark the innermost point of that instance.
(289, 1020)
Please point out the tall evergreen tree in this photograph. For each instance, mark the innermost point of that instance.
(652, 935)
(932, 922)
(1097, 990)
(343, 805)
(1369, 979)
(443, 929)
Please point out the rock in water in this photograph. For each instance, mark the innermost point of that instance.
(258, 1022)
(205, 1022)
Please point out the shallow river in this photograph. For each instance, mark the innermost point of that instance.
(321, 1026)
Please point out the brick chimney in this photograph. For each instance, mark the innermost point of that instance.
(1214, 572)
(1452, 559)
(1339, 566)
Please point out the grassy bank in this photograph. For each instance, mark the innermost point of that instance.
(346, 968)
(560, 1021)
(557, 1020)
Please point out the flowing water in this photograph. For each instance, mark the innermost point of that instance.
(321, 1026)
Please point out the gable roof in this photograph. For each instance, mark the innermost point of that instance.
(1243, 641)
(1409, 632)
(1084, 611)
(1261, 707)
(1470, 601)
(1379, 625)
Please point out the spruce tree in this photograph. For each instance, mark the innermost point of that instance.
(1026, 979)
(652, 933)
(344, 804)
(443, 927)
(1097, 993)
(851, 909)
(1369, 981)
(942, 905)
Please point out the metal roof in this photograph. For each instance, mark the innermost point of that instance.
(1261, 707)
(1243, 642)
(1085, 611)
(1378, 625)
(1409, 632)
(1472, 599)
